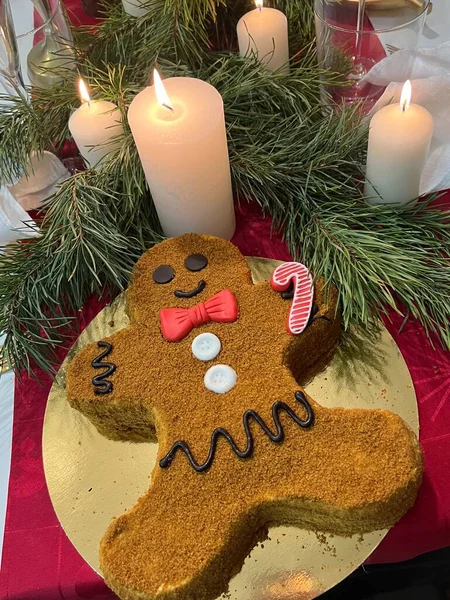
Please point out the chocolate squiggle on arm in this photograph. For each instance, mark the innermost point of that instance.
(101, 386)
(276, 437)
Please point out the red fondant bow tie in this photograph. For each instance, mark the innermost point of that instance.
(177, 323)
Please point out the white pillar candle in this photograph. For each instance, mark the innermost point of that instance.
(134, 8)
(181, 139)
(93, 126)
(399, 142)
(264, 32)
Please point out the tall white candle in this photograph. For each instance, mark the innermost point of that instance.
(135, 8)
(181, 139)
(264, 32)
(93, 126)
(399, 142)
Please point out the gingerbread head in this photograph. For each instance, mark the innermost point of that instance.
(179, 276)
(212, 366)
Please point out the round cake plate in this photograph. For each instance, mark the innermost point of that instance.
(92, 479)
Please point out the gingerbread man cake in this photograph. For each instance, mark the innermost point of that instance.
(212, 367)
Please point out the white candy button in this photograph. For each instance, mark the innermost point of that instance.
(206, 346)
(220, 379)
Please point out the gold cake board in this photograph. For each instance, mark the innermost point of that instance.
(92, 479)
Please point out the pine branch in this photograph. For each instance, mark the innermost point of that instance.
(181, 31)
(175, 29)
(379, 255)
(21, 133)
(80, 252)
(300, 16)
(291, 162)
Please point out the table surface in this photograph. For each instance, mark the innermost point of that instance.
(39, 561)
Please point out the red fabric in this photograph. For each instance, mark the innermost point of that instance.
(40, 562)
(77, 15)
(177, 323)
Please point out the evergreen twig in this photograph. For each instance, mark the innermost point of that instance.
(80, 252)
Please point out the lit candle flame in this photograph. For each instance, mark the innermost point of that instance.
(84, 94)
(405, 99)
(259, 4)
(160, 90)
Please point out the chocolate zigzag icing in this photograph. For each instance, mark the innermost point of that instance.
(100, 384)
(277, 437)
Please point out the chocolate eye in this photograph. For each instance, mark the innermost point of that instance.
(163, 274)
(196, 262)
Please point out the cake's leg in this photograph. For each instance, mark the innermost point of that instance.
(113, 402)
(354, 471)
(184, 539)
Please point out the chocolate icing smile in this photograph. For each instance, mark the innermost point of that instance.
(201, 286)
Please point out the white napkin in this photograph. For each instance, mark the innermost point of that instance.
(45, 173)
(15, 223)
(429, 71)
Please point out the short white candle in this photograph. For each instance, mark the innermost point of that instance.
(399, 142)
(93, 125)
(264, 32)
(134, 8)
(181, 139)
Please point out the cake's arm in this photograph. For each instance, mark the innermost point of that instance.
(271, 302)
(265, 313)
(108, 381)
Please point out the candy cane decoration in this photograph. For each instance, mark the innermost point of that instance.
(300, 310)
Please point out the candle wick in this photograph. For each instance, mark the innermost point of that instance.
(167, 106)
(404, 106)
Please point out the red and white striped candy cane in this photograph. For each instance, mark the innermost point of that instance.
(300, 311)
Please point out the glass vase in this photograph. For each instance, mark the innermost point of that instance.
(44, 41)
(11, 79)
(355, 35)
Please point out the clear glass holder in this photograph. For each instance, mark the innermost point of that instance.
(11, 79)
(44, 41)
(355, 35)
